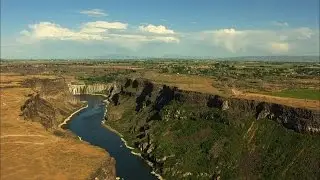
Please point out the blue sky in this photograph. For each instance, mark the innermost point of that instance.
(221, 28)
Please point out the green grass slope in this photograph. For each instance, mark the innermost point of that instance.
(299, 93)
(203, 143)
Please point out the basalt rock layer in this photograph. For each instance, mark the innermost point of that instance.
(146, 92)
(77, 89)
(49, 105)
(195, 135)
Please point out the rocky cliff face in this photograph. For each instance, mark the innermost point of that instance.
(297, 119)
(39, 110)
(88, 89)
(204, 136)
(51, 103)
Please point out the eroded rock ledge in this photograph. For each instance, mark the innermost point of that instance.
(164, 123)
(146, 92)
(77, 89)
(51, 102)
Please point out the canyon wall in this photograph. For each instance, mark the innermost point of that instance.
(297, 119)
(50, 103)
(53, 101)
(204, 136)
(77, 89)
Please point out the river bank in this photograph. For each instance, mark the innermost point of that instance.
(88, 125)
(69, 118)
(131, 148)
(71, 115)
(37, 105)
(126, 143)
(75, 112)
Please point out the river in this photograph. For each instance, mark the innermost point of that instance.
(87, 125)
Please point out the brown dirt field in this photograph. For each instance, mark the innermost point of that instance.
(30, 152)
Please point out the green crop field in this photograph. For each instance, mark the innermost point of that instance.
(299, 93)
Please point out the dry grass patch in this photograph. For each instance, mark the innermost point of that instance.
(30, 152)
(185, 82)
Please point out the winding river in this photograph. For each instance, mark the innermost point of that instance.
(87, 125)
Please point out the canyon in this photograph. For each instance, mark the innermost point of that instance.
(183, 134)
(32, 143)
(196, 135)
(77, 89)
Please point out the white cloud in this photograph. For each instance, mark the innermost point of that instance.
(91, 31)
(156, 29)
(278, 47)
(304, 33)
(106, 25)
(167, 39)
(48, 30)
(25, 33)
(273, 41)
(94, 12)
(230, 39)
(144, 38)
(236, 41)
(280, 23)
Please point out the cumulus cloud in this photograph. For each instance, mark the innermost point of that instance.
(91, 31)
(273, 41)
(280, 23)
(156, 29)
(106, 25)
(145, 38)
(232, 40)
(94, 12)
(279, 47)
(48, 30)
(304, 33)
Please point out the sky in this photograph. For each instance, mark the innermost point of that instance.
(102, 28)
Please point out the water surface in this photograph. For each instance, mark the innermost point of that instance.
(87, 125)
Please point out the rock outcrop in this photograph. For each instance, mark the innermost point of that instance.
(297, 119)
(77, 89)
(39, 110)
(163, 123)
(51, 102)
